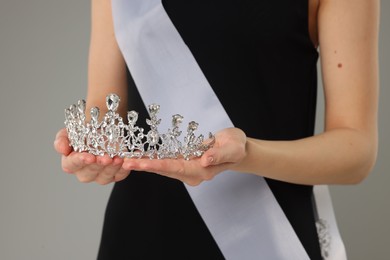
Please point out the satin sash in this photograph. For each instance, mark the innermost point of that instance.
(239, 209)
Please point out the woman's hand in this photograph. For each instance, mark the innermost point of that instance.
(227, 152)
(88, 167)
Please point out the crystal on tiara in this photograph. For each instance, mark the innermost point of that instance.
(114, 137)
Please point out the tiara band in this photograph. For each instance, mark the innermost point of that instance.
(114, 137)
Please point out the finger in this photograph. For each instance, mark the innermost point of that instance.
(220, 155)
(208, 158)
(104, 160)
(130, 164)
(72, 163)
(121, 175)
(123, 172)
(61, 143)
(107, 174)
(117, 161)
(62, 133)
(89, 173)
(215, 169)
(190, 172)
(163, 167)
(180, 169)
(197, 176)
(104, 179)
(76, 161)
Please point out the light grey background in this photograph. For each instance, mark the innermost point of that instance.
(47, 214)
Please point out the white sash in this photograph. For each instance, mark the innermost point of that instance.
(239, 209)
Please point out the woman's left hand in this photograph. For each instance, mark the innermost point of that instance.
(226, 153)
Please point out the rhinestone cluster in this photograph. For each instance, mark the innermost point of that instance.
(114, 137)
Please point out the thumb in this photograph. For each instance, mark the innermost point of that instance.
(228, 153)
(216, 156)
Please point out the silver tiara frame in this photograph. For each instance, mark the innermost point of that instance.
(114, 137)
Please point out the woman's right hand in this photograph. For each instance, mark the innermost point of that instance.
(88, 167)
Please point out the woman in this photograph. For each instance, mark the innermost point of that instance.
(257, 61)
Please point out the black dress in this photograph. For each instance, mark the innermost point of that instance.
(261, 63)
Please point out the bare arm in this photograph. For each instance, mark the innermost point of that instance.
(346, 151)
(106, 67)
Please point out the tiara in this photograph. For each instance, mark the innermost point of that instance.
(114, 137)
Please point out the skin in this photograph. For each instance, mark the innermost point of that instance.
(346, 32)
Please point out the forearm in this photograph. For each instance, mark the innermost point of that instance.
(339, 156)
(106, 66)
